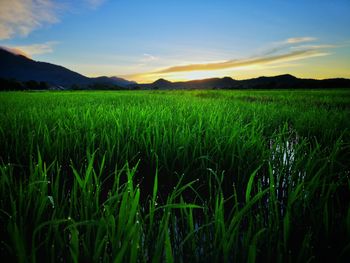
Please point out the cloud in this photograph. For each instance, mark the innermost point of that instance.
(20, 17)
(148, 57)
(323, 46)
(14, 51)
(297, 40)
(294, 42)
(291, 49)
(294, 55)
(37, 49)
(33, 49)
(94, 3)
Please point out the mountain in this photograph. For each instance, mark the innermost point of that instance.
(158, 84)
(213, 83)
(21, 68)
(24, 69)
(122, 82)
(277, 82)
(18, 68)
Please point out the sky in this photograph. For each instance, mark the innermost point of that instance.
(182, 39)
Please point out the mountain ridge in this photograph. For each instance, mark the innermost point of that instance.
(284, 81)
(20, 68)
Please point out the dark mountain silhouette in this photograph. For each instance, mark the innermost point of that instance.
(161, 82)
(21, 68)
(158, 84)
(212, 83)
(277, 82)
(122, 82)
(20, 72)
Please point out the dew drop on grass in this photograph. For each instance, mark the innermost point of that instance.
(51, 201)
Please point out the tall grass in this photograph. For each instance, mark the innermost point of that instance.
(201, 176)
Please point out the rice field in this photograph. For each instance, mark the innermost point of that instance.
(175, 176)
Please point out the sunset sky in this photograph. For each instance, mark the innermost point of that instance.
(182, 39)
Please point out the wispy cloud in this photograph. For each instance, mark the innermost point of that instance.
(94, 3)
(148, 57)
(321, 46)
(297, 40)
(293, 42)
(38, 49)
(291, 49)
(33, 49)
(294, 55)
(20, 17)
(14, 51)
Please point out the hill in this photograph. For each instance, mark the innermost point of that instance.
(21, 72)
(276, 82)
(23, 69)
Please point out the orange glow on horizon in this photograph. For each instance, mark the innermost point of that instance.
(242, 73)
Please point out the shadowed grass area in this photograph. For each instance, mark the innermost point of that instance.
(199, 176)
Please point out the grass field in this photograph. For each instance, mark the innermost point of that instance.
(175, 176)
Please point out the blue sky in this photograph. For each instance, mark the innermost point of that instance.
(183, 39)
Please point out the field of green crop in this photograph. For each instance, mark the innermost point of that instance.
(175, 176)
